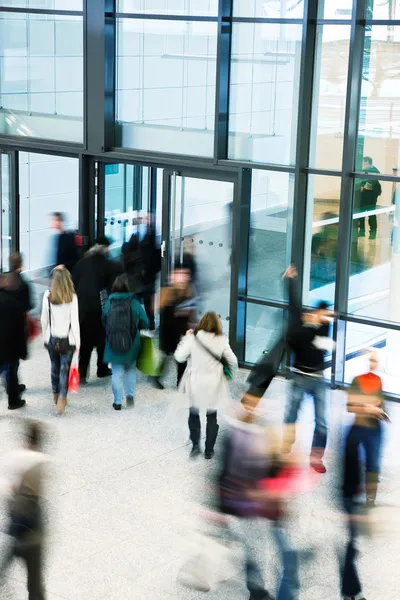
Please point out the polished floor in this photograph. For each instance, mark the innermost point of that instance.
(124, 500)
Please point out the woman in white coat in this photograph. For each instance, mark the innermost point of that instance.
(210, 360)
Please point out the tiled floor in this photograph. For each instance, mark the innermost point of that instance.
(124, 499)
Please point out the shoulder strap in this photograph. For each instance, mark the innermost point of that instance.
(48, 300)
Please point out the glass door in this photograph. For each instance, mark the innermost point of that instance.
(6, 212)
(197, 231)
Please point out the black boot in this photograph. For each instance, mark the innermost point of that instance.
(195, 430)
(211, 434)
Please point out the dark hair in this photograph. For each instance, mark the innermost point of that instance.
(368, 160)
(58, 215)
(322, 305)
(210, 322)
(16, 261)
(102, 240)
(120, 285)
(34, 434)
(133, 243)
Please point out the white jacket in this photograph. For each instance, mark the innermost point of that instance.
(64, 321)
(204, 380)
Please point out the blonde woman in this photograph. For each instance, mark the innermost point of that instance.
(211, 362)
(61, 335)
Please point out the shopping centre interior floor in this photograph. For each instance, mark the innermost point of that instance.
(124, 500)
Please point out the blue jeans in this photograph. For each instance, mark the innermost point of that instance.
(316, 388)
(123, 380)
(370, 438)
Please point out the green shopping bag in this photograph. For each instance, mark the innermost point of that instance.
(148, 361)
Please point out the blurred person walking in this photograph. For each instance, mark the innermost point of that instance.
(63, 249)
(366, 198)
(94, 274)
(152, 266)
(365, 400)
(210, 358)
(26, 527)
(61, 333)
(308, 339)
(13, 341)
(178, 313)
(123, 318)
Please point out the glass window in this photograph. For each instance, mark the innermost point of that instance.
(264, 326)
(166, 73)
(384, 9)
(360, 338)
(271, 9)
(322, 229)
(329, 105)
(265, 77)
(373, 288)
(41, 76)
(6, 212)
(47, 184)
(70, 5)
(169, 7)
(270, 233)
(379, 123)
(335, 9)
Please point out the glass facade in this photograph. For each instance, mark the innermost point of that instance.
(264, 135)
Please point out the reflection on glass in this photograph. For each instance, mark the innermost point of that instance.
(169, 7)
(379, 125)
(270, 235)
(41, 76)
(203, 236)
(373, 288)
(337, 9)
(359, 338)
(70, 5)
(384, 9)
(166, 85)
(321, 238)
(272, 9)
(5, 215)
(329, 104)
(264, 326)
(264, 83)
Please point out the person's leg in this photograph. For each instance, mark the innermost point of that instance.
(351, 585)
(211, 433)
(65, 367)
(373, 225)
(130, 383)
(289, 586)
(148, 301)
(372, 441)
(318, 390)
(87, 344)
(14, 400)
(32, 555)
(251, 533)
(291, 411)
(55, 369)
(102, 368)
(195, 429)
(361, 226)
(157, 380)
(117, 384)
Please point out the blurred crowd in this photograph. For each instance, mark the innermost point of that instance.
(113, 306)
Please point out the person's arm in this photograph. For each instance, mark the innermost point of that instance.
(184, 348)
(75, 329)
(358, 404)
(230, 357)
(44, 319)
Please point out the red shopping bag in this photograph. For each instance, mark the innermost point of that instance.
(32, 328)
(73, 382)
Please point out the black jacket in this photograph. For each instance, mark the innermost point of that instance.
(12, 327)
(67, 252)
(301, 337)
(22, 293)
(94, 273)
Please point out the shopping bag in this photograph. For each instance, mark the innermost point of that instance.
(148, 361)
(32, 328)
(73, 382)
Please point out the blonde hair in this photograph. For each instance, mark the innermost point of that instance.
(62, 289)
(210, 322)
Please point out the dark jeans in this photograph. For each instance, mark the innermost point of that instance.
(32, 555)
(370, 438)
(60, 367)
(11, 374)
(351, 585)
(92, 336)
(211, 428)
(372, 222)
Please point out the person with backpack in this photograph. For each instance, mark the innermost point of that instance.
(123, 318)
(211, 363)
(61, 332)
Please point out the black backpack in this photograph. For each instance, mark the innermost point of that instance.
(120, 326)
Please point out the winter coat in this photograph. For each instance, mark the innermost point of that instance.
(204, 380)
(12, 329)
(94, 273)
(139, 319)
(66, 250)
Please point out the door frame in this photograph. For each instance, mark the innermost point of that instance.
(235, 332)
(13, 168)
